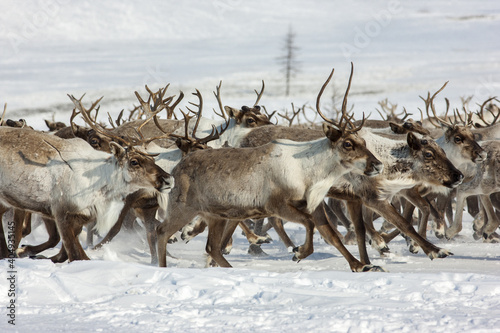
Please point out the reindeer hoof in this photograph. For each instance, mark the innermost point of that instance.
(414, 249)
(441, 254)
(172, 240)
(439, 234)
(256, 251)
(384, 250)
(372, 268)
(295, 258)
(265, 240)
(22, 252)
(476, 236)
(37, 257)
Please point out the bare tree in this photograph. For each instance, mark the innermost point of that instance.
(289, 61)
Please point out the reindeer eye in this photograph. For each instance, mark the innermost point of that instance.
(428, 155)
(250, 121)
(347, 144)
(94, 142)
(458, 139)
(134, 162)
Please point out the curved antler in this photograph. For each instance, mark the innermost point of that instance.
(429, 103)
(94, 125)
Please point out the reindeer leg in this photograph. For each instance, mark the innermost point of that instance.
(493, 221)
(387, 211)
(227, 238)
(336, 206)
(355, 211)
(60, 257)
(151, 223)
(473, 205)
(424, 207)
(252, 237)
(176, 219)
(69, 227)
(216, 229)
(33, 250)
(277, 224)
(193, 228)
(331, 237)
(254, 249)
(290, 212)
(442, 204)
(22, 218)
(376, 239)
(456, 227)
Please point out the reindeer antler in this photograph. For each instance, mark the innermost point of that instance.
(292, 117)
(429, 103)
(481, 116)
(259, 95)
(93, 123)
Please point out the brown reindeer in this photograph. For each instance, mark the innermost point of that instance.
(283, 178)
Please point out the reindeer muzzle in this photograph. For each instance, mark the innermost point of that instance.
(373, 168)
(456, 179)
(480, 157)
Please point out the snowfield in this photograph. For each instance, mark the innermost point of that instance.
(400, 51)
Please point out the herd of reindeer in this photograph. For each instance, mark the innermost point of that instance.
(183, 173)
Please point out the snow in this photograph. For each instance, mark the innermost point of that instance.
(400, 50)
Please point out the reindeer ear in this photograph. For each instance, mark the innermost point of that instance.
(232, 112)
(183, 145)
(331, 133)
(398, 129)
(117, 150)
(413, 141)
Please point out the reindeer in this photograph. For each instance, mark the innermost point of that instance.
(283, 178)
(457, 140)
(374, 192)
(70, 182)
(144, 207)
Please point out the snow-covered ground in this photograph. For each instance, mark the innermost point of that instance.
(400, 51)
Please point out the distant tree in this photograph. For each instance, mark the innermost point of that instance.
(288, 60)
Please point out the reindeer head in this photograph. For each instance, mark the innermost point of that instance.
(431, 163)
(248, 117)
(462, 146)
(344, 138)
(141, 169)
(459, 140)
(409, 125)
(352, 151)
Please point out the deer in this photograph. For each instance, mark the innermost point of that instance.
(283, 178)
(458, 142)
(374, 192)
(144, 207)
(70, 182)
